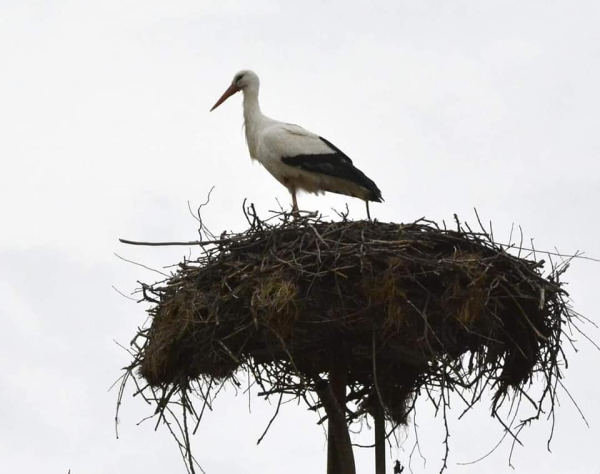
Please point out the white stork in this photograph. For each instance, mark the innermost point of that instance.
(297, 158)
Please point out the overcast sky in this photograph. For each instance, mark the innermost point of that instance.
(105, 133)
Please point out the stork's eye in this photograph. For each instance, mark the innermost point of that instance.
(239, 78)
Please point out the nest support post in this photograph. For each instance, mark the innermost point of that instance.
(340, 457)
(379, 418)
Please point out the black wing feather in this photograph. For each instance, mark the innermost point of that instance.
(336, 164)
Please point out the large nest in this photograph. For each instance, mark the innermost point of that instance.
(405, 306)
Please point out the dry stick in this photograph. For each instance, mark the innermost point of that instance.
(272, 419)
(141, 265)
(185, 432)
(164, 244)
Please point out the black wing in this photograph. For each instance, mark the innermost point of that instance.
(336, 164)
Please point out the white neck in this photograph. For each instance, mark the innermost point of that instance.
(252, 112)
(253, 117)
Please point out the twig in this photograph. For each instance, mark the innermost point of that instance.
(164, 244)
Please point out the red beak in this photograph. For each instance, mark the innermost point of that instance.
(228, 93)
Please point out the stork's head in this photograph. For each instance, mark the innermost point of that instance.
(242, 81)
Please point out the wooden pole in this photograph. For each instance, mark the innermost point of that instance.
(333, 462)
(340, 458)
(379, 419)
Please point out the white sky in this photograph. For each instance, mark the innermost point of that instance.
(106, 134)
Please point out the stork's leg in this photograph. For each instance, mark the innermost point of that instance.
(294, 201)
(368, 213)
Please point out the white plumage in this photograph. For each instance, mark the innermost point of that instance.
(297, 158)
